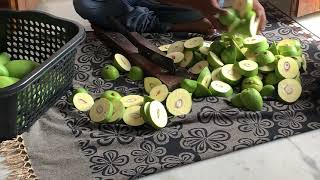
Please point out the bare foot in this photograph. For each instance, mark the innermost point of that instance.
(202, 26)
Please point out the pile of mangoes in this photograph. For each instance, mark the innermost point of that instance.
(11, 71)
(241, 66)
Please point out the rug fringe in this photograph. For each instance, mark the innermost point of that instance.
(17, 160)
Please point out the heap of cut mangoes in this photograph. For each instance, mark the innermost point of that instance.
(240, 66)
(223, 67)
(240, 59)
(249, 64)
(133, 110)
(11, 71)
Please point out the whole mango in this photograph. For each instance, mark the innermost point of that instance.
(21, 68)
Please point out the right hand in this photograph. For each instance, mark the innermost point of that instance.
(209, 8)
(261, 14)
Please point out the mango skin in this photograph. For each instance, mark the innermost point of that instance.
(268, 90)
(3, 71)
(236, 101)
(7, 81)
(252, 99)
(228, 18)
(20, 68)
(252, 82)
(4, 58)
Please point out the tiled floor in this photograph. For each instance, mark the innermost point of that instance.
(294, 158)
(311, 22)
(3, 169)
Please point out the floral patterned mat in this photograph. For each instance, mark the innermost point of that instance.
(213, 128)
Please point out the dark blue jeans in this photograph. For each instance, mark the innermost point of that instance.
(137, 15)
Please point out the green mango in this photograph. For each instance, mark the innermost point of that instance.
(7, 81)
(21, 68)
(229, 55)
(236, 101)
(4, 58)
(3, 71)
(252, 99)
(271, 79)
(273, 48)
(267, 90)
(228, 18)
(189, 85)
(217, 47)
(252, 82)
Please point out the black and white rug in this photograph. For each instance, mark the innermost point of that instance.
(64, 143)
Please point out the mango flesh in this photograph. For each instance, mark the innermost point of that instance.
(150, 83)
(176, 47)
(132, 116)
(159, 93)
(7, 81)
(289, 90)
(118, 111)
(287, 68)
(157, 115)
(83, 101)
(20, 68)
(101, 111)
(179, 102)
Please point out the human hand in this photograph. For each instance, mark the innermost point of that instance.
(203, 26)
(212, 11)
(209, 8)
(261, 14)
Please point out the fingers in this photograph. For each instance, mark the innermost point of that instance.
(260, 14)
(215, 22)
(262, 18)
(263, 21)
(210, 32)
(213, 16)
(213, 9)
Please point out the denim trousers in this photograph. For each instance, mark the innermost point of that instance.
(137, 15)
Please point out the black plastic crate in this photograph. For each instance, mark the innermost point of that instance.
(48, 40)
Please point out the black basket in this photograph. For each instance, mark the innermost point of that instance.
(48, 40)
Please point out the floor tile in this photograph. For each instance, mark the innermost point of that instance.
(280, 159)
